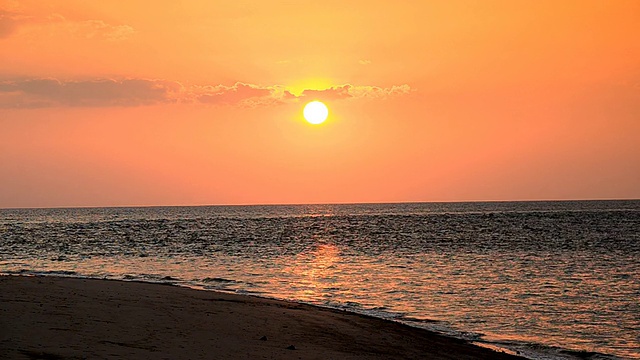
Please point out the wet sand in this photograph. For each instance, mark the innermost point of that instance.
(66, 318)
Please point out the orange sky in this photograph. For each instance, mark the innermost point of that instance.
(108, 103)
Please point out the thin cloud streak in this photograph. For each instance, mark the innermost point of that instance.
(91, 29)
(11, 20)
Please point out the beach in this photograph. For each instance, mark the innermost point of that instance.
(73, 318)
(544, 280)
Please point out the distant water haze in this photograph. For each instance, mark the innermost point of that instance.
(534, 277)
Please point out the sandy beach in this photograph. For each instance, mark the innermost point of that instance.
(68, 318)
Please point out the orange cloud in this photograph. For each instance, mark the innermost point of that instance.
(238, 93)
(332, 93)
(352, 91)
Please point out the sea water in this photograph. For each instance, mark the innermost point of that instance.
(538, 278)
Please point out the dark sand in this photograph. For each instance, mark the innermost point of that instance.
(65, 318)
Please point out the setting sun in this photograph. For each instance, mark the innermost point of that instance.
(315, 112)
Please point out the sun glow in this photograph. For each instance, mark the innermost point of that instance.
(315, 112)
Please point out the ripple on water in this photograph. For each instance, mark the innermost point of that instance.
(566, 273)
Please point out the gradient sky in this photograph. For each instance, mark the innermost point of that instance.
(109, 103)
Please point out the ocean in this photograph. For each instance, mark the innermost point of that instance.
(550, 280)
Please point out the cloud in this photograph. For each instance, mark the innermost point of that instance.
(7, 26)
(364, 62)
(332, 93)
(34, 93)
(93, 29)
(237, 93)
(11, 20)
(241, 94)
(38, 93)
(351, 91)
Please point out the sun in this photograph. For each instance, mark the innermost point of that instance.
(315, 112)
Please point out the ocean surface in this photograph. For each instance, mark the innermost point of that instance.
(539, 278)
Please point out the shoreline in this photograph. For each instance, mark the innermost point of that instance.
(64, 317)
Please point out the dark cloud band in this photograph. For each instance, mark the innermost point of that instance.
(38, 93)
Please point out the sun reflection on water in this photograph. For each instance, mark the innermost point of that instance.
(315, 272)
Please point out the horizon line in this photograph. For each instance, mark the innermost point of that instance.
(312, 204)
